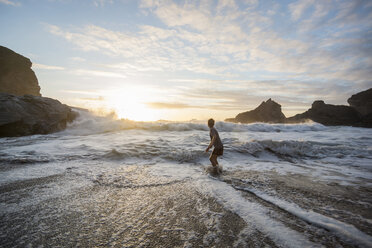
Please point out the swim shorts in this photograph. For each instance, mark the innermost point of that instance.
(218, 151)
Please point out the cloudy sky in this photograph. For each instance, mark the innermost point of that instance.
(180, 60)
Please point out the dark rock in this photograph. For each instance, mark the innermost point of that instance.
(358, 114)
(330, 115)
(16, 75)
(366, 121)
(362, 102)
(268, 111)
(26, 115)
(22, 109)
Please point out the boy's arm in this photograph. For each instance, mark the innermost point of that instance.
(210, 144)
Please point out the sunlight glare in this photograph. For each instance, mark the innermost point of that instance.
(130, 104)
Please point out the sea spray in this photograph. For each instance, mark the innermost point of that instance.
(89, 123)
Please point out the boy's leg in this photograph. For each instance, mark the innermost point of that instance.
(219, 168)
(213, 159)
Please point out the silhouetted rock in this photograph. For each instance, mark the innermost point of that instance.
(358, 114)
(362, 102)
(26, 115)
(22, 109)
(330, 115)
(268, 111)
(16, 75)
(366, 121)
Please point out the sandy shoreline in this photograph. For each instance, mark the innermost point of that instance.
(168, 215)
(136, 208)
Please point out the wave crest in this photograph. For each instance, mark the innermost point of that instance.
(300, 149)
(88, 123)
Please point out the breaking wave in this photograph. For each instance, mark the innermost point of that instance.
(285, 150)
(180, 156)
(92, 137)
(300, 149)
(88, 123)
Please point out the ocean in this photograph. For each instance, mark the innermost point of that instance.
(120, 183)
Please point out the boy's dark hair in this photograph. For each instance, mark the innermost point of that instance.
(210, 122)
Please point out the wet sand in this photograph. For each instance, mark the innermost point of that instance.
(116, 214)
(347, 203)
(135, 208)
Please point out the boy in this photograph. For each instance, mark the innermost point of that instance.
(216, 142)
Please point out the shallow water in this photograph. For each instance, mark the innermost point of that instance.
(122, 183)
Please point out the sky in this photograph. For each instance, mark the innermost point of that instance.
(181, 60)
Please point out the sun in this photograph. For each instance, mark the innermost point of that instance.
(130, 103)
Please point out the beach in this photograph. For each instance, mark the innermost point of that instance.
(117, 183)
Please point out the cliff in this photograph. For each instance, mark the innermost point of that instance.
(16, 75)
(23, 111)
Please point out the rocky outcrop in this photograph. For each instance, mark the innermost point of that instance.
(366, 121)
(16, 75)
(26, 115)
(358, 114)
(329, 115)
(22, 109)
(268, 111)
(362, 102)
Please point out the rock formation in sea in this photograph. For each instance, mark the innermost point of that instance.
(329, 115)
(26, 115)
(16, 75)
(23, 111)
(358, 114)
(268, 111)
(362, 102)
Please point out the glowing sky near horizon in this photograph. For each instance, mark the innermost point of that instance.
(182, 60)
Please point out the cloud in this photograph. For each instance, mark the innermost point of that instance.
(131, 67)
(294, 95)
(47, 67)
(80, 92)
(100, 98)
(78, 59)
(166, 105)
(250, 2)
(324, 45)
(148, 51)
(299, 7)
(97, 73)
(230, 5)
(102, 3)
(8, 2)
